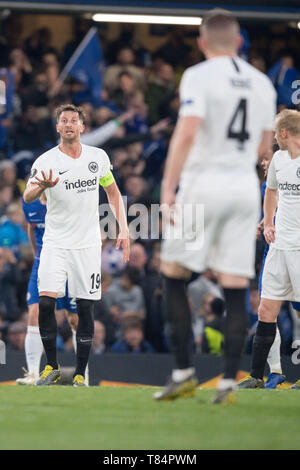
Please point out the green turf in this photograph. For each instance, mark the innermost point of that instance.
(127, 418)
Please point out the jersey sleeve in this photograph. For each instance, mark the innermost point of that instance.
(105, 165)
(271, 177)
(192, 96)
(36, 170)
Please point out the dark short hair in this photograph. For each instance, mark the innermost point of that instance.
(125, 73)
(132, 323)
(218, 306)
(132, 274)
(70, 107)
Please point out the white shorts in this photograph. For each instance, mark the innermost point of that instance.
(281, 275)
(227, 243)
(80, 267)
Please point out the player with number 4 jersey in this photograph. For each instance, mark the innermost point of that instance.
(226, 119)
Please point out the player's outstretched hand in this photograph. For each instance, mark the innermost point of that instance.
(46, 182)
(124, 242)
(269, 234)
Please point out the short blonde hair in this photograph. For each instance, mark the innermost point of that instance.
(288, 119)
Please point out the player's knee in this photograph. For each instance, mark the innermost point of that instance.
(47, 321)
(46, 305)
(73, 321)
(266, 313)
(175, 271)
(85, 307)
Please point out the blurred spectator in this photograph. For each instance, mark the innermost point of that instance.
(12, 233)
(103, 114)
(37, 93)
(162, 85)
(132, 340)
(175, 51)
(139, 122)
(125, 297)
(26, 128)
(6, 196)
(16, 334)
(99, 346)
(283, 74)
(126, 87)
(136, 190)
(125, 62)
(259, 63)
(212, 340)
(204, 284)
(8, 175)
(38, 44)
(138, 258)
(8, 172)
(88, 112)
(21, 67)
(125, 38)
(199, 319)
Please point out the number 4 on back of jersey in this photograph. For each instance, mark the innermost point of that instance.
(238, 124)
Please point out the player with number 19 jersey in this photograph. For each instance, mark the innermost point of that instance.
(72, 240)
(236, 103)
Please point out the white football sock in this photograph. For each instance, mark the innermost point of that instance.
(274, 360)
(33, 350)
(74, 340)
(181, 374)
(225, 384)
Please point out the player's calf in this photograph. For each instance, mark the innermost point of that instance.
(84, 335)
(48, 328)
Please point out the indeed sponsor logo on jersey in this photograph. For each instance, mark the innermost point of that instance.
(288, 186)
(81, 183)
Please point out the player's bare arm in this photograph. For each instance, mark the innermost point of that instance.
(35, 189)
(116, 203)
(31, 237)
(265, 149)
(180, 145)
(270, 205)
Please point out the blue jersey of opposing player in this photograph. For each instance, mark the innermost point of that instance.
(35, 213)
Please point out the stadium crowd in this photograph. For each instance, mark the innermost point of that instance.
(132, 119)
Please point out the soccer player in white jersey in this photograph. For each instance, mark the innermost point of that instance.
(280, 280)
(69, 175)
(226, 120)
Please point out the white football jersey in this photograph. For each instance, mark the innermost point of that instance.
(237, 103)
(72, 219)
(284, 175)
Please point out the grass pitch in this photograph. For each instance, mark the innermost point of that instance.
(109, 418)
